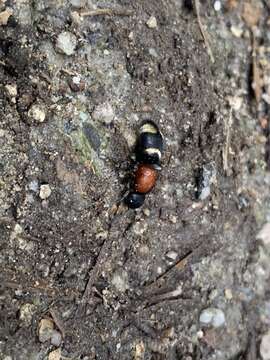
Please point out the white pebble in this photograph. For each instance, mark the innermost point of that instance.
(265, 346)
(217, 5)
(146, 212)
(236, 31)
(11, 89)
(45, 191)
(104, 113)
(171, 256)
(66, 43)
(37, 113)
(78, 3)
(152, 22)
(228, 294)
(26, 313)
(212, 316)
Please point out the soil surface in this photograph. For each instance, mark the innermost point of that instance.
(186, 275)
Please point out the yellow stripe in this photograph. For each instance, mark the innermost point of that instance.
(148, 128)
(152, 151)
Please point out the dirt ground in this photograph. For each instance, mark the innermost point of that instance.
(187, 275)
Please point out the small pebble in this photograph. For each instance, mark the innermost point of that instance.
(212, 316)
(37, 113)
(173, 219)
(152, 22)
(171, 256)
(146, 212)
(236, 31)
(26, 313)
(228, 294)
(45, 191)
(56, 338)
(104, 113)
(217, 5)
(78, 3)
(55, 355)
(265, 346)
(11, 90)
(45, 330)
(66, 43)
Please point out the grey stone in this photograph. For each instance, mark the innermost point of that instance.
(104, 113)
(66, 43)
(56, 338)
(212, 316)
(78, 3)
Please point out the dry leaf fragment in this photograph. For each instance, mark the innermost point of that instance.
(4, 16)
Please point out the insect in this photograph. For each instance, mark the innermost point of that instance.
(148, 153)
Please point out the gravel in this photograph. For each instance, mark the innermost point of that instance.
(66, 43)
(213, 317)
(45, 191)
(37, 113)
(152, 22)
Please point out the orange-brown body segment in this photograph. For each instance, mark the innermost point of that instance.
(145, 178)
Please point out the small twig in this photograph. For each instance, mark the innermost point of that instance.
(228, 125)
(179, 265)
(170, 295)
(65, 293)
(203, 31)
(109, 12)
(102, 257)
